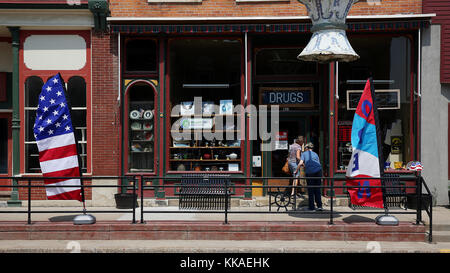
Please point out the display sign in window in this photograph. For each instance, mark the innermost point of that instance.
(287, 96)
(385, 99)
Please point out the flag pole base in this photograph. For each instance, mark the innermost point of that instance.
(387, 220)
(84, 219)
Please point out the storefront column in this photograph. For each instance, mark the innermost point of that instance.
(332, 125)
(247, 95)
(15, 37)
(161, 119)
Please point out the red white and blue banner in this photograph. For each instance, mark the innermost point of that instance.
(365, 162)
(56, 143)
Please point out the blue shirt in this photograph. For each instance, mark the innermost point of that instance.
(311, 161)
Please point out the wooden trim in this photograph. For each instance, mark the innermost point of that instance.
(84, 72)
(126, 126)
(8, 116)
(332, 120)
(3, 87)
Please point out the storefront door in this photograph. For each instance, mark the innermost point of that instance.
(5, 149)
(290, 129)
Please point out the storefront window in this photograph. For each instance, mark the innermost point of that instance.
(140, 55)
(205, 82)
(76, 95)
(281, 61)
(76, 89)
(33, 86)
(141, 106)
(388, 60)
(4, 145)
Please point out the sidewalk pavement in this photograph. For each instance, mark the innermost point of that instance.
(217, 246)
(441, 216)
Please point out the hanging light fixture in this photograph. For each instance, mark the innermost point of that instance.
(329, 41)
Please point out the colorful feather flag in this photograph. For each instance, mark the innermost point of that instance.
(365, 160)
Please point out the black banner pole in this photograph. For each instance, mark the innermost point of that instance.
(85, 218)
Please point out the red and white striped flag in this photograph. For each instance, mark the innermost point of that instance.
(56, 143)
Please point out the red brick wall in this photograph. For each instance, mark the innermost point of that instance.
(105, 108)
(38, 190)
(221, 8)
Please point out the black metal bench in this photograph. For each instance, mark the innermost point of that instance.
(205, 192)
(394, 193)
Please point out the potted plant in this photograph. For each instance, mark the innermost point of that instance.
(125, 200)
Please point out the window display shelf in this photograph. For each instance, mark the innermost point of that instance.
(141, 130)
(199, 154)
(142, 170)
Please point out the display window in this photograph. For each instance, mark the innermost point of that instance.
(281, 62)
(140, 56)
(389, 60)
(205, 87)
(42, 55)
(5, 143)
(140, 124)
(76, 91)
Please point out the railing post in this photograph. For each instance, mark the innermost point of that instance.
(29, 201)
(142, 199)
(134, 200)
(226, 201)
(430, 234)
(331, 201)
(419, 200)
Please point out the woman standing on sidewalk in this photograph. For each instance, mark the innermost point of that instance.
(295, 151)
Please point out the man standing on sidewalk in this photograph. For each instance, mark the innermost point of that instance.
(313, 168)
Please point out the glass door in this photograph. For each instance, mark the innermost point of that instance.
(290, 129)
(141, 128)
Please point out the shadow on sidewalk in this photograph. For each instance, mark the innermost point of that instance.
(63, 218)
(357, 219)
(325, 214)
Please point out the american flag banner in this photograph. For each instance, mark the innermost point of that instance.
(56, 143)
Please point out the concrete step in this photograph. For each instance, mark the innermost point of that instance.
(441, 236)
(213, 230)
(441, 227)
(441, 233)
(5, 195)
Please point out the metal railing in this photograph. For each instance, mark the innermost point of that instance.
(139, 186)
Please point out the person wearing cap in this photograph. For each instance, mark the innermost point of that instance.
(313, 168)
